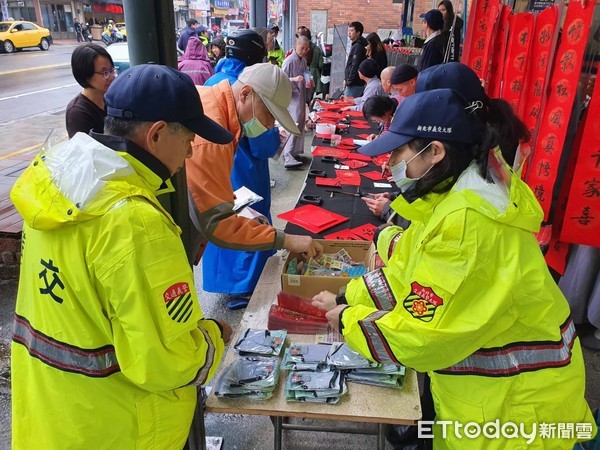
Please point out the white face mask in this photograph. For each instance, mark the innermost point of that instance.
(398, 170)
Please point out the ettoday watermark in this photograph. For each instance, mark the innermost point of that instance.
(507, 430)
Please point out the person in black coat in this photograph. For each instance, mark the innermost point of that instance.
(376, 51)
(435, 44)
(358, 53)
(454, 22)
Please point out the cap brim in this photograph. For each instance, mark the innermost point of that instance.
(208, 129)
(282, 115)
(385, 143)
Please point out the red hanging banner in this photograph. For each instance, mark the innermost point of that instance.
(543, 170)
(499, 52)
(538, 74)
(520, 32)
(581, 224)
(480, 32)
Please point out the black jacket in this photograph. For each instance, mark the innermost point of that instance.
(433, 52)
(358, 53)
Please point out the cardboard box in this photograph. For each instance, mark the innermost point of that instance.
(309, 286)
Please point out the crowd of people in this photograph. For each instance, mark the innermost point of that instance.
(465, 295)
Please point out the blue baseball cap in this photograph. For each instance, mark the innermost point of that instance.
(452, 75)
(437, 115)
(152, 92)
(434, 19)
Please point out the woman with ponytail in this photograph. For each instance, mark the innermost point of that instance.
(465, 294)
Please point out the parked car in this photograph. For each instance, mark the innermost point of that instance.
(17, 35)
(120, 55)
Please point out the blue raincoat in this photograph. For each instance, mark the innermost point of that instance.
(227, 69)
(235, 271)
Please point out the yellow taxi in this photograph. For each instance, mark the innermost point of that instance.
(17, 35)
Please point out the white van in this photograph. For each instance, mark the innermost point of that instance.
(233, 26)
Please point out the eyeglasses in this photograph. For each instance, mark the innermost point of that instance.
(107, 73)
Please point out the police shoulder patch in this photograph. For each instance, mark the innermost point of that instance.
(422, 302)
(179, 302)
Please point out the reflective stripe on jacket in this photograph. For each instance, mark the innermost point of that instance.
(467, 297)
(109, 339)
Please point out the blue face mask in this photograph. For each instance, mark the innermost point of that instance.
(254, 128)
(403, 182)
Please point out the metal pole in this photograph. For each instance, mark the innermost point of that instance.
(151, 38)
(258, 13)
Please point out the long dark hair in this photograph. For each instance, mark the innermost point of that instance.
(459, 156)
(449, 14)
(375, 43)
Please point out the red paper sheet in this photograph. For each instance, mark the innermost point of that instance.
(359, 157)
(363, 135)
(343, 235)
(349, 177)
(348, 141)
(355, 164)
(360, 126)
(354, 113)
(333, 182)
(382, 159)
(328, 151)
(346, 147)
(313, 218)
(373, 175)
(334, 105)
(365, 232)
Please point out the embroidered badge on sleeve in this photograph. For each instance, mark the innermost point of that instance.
(422, 302)
(179, 302)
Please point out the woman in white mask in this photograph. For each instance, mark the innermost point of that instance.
(465, 294)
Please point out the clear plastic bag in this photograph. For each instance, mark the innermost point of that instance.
(343, 357)
(261, 342)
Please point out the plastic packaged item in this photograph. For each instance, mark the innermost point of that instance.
(260, 342)
(342, 356)
(252, 377)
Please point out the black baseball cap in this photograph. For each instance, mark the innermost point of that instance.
(438, 115)
(434, 19)
(152, 92)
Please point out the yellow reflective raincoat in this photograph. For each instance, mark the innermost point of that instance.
(467, 297)
(109, 340)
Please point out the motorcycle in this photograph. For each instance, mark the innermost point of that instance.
(86, 34)
(111, 38)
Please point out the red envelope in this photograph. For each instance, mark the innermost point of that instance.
(343, 235)
(360, 126)
(381, 159)
(322, 181)
(355, 164)
(349, 177)
(359, 157)
(346, 147)
(365, 232)
(328, 151)
(313, 218)
(373, 175)
(348, 141)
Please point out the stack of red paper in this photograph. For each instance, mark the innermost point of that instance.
(296, 315)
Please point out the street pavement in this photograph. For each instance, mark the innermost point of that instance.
(239, 431)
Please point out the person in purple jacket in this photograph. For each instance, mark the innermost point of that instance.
(195, 62)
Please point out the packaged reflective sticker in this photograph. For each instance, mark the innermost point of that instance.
(261, 342)
(343, 357)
